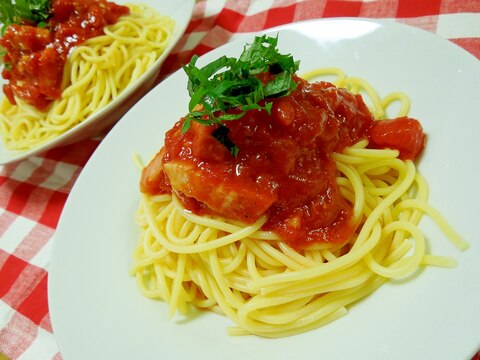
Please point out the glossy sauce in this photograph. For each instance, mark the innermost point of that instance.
(36, 56)
(284, 168)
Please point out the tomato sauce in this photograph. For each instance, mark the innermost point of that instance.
(35, 56)
(284, 168)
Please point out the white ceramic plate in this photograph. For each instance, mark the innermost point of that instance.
(97, 312)
(181, 12)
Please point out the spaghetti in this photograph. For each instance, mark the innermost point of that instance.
(259, 281)
(96, 73)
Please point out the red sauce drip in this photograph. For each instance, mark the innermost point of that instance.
(36, 56)
(284, 168)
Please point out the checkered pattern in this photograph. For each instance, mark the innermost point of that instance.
(33, 192)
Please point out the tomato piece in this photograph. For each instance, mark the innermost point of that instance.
(62, 9)
(404, 134)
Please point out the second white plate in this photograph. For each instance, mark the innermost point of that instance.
(181, 12)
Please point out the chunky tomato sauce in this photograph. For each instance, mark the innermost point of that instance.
(36, 56)
(284, 168)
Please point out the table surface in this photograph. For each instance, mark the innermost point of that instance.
(33, 192)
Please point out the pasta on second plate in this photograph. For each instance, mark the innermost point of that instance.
(96, 72)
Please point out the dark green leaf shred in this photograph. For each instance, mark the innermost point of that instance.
(228, 83)
(35, 12)
(221, 135)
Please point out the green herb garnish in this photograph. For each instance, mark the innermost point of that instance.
(20, 11)
(221, 135)
(228, 83)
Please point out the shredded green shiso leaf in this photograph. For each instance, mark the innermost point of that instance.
(228, 83)
(35, 12)
(19, 11)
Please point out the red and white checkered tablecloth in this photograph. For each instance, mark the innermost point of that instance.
(33, 192)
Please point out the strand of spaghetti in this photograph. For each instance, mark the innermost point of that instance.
(404, 266)
(442, 261)
(238, 331)
(381, 206)
(332, 281)
(368, 243)
(371, 203)
(237, 261)
(85, 75)
(220, 279)
(397, 250)
(313, 255)
(151, 247)
(454, 237)
(102, 94)
(412, 215)
(326, 71)
(348, 159)
(177, 285)
(381, 166)
(252, 311)
(317, 310)
(163, 287)
(57, 115)
(220, 300)
(402, 98)
(248, 314)
(190, 292)
(239, 283)
(358, 190)
(263, 258)
(365, 154)
(421, 195)
(367, 239)
(361, 144)
(221, 224)
(201, 277)
(304, 260)
(252, 269)
(265, 248)
(357, 85)
(359, 156)
(233, 237)
(282, 314)
(177, 240)
(328, 255)
(143, 288)
(97, 53)
(163, 212)
(186, 229)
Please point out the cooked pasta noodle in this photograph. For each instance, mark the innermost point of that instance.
(266, 287)
(96, 73)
